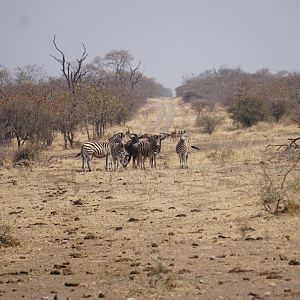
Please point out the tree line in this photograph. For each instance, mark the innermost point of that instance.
(248, 97)
(93, 96)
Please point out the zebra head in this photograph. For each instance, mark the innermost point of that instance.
(117, 138)
(182, 136)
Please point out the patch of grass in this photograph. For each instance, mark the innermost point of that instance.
(222, 156)
(6, 239)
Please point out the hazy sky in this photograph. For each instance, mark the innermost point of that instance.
(172, 38)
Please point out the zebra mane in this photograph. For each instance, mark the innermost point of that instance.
(116, 137)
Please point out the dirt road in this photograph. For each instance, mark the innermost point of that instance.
(154, 234)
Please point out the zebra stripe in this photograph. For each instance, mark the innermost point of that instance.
(182, 151)
(119, 156)
(149, 147)
(100, 150)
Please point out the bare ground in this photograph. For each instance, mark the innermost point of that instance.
(154, 234)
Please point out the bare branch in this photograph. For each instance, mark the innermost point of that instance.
(135, 75)
(73, 74)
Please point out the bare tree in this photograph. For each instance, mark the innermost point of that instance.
(135, 75)
(30, 74)
(120, 62)
(73, 72)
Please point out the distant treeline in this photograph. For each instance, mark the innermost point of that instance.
(261, 95)
(107, 91)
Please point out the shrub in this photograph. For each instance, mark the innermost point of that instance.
(249, 111)
(6, 238)
(28, 152)
(208, 122)
(278, 109)
(280, 183)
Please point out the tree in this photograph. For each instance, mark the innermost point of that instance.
(208, 122)
(120, 62)
(24, 120)
(73, 72)
(248, 111)
(30, 74)
(278, 109)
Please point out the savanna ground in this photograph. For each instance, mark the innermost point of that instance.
(156, 234)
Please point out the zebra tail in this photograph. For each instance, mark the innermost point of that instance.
(78, 154)
(195, 147)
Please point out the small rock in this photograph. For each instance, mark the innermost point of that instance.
(154, 245)
(55, 272)
(133, 220)
(90, 236)
(180, 215)
(294, 262)
(77, 202)
(75, 255)
(71, 284)
(101, 295)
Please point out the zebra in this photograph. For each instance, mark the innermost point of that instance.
(118, 156)
(131, 147)
(149, 147)
(155, 147)
(182, 151)
(100, 150)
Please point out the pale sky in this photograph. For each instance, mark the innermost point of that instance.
(172, 38)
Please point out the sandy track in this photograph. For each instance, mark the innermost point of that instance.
(156, 117)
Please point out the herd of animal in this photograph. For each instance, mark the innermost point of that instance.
(121, 148)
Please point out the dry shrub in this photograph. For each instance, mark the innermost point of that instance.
(208, 122)
(279, 190)
(6, 239)
(28, 152)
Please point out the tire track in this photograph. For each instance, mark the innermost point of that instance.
(165, 116)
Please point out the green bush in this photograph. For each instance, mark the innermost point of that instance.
(249, 111)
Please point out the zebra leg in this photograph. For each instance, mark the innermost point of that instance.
(83, 159)
(154, 161)
(186, 160)
(88, 163)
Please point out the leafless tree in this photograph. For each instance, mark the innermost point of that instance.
(73, 72)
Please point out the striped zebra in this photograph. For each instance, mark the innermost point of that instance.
(118, 156)
(182, 151)
(149, 147)
(100, 150)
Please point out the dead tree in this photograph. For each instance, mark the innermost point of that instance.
(73, 72)
(135, 75)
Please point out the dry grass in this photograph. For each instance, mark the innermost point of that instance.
(103, 232)
(6, 238)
